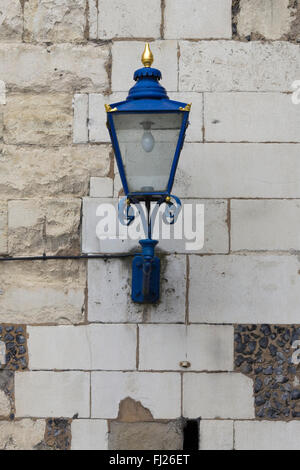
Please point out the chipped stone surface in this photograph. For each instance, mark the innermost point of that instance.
(269, 355)
(57, 68)
(145, 436)
(48, 226)
(39, 292)
(44, 120)
(11, 20)
(63, 171)
(159, 393)
(264, 19)
(25, 434)
(54, 20)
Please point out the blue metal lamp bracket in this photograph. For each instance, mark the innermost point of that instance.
(145, 265)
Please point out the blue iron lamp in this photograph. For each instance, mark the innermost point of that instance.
(147, 133)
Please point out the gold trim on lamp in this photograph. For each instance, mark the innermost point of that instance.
(109, 109)
(147, 57)
(187, 108)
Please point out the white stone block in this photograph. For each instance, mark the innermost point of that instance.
(52, 394)
(101, 187)
(265, 225)
(216, 435)
(222, 395)
(194, 132)
(239, 170)
(97, 115)
(266, 435)
(237, 288)
(198, 19)
(201, 227)
(219, 66)
(89, 434)
(159, 393)
(250, 117)
(130, 52)
(108, 347)
(93, 19)
(130, 19)
(109, 284)
(80, 123)
(206, 347)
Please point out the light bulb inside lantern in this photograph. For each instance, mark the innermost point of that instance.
(148, 141)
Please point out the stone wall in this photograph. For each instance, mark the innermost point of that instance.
(82, 367)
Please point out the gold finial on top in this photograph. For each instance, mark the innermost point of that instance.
(147, 57)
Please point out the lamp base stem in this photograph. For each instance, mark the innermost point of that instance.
(146, 274)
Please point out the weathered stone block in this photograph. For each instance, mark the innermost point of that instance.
(253, 435)
(145, 436)
(265, 225)
(216, 435)
(44, 120)
(129, 52)
(222, 395)
(54, 20)
(3, 228)
(93, 19)
(101, 187)
(58, 68)
(25, 434)
(206, 347)
(28, 170)
(11, 20)
(108, 347)
(52, 394)
(130, 19)
(251, 117)
(198, 19)
(159, 393)
(237, 66)
(80, 123)
(239, 170)
(267, 19)
(89, 434)
(43, 292)
(109, 284)
(44, 226)
(237, 288)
